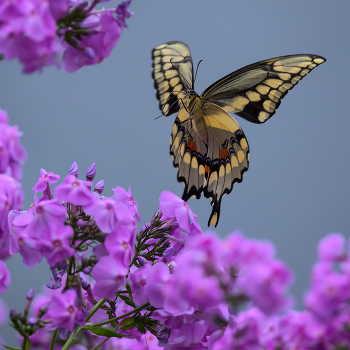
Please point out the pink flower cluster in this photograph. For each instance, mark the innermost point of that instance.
(12, 157)
(37, 32)
(167, 285)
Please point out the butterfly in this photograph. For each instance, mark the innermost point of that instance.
(208, 146)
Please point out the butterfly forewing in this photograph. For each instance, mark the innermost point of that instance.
(255, 91)
(227, 158)
(171, 77)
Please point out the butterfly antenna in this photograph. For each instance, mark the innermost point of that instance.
(197, 71)
(171, 59)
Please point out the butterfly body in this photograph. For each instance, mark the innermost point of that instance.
(208, 146)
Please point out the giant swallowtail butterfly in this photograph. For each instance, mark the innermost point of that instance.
(208, 146)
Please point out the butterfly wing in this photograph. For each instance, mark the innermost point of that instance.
(255, 92)
(227, 158)
(212, 165)
(189, 155)
(171, 78)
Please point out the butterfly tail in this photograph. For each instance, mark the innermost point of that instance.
(215, 214)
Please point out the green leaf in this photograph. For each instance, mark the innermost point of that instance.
(27, 343)
(128, 289)
(105, 331)
(127, 300)
(128, 323)
(8, 347)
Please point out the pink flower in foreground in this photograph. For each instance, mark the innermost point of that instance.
(74, 191)
(63, 309)
(173, 206)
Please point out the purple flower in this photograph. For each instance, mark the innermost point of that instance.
(108, 31)
(120, 195)
(138, 281)
(44, 180)
(59, 8)
(173, 206)
(331, 248)
(109, 277)
(119, 246)
(154, 288)
(123, 12)
(74, 191)
(5, 277)
(11, 197)
(12, 153)
(109, 214)
(28, 31)
(47, 213)
(64, 310)
(55, 244)
(74, 170)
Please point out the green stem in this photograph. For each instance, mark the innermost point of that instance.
(100, 343)
(94, 309)
(122, 316)
(72, 338)
(53, 341)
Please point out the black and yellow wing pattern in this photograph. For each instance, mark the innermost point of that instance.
(208, 146)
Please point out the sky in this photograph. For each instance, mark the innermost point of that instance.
(296, 190)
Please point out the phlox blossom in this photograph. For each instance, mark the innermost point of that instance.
(109, 277)
(45, 179)
(63, 309)
(120, 195)
(109, 214)
(55, 244)
(173, 206)
(74, 191)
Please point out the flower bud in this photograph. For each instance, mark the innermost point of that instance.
(30, 294)
(141, 260)
(91, 172)
(74, 169)
(163, 336)
(42, 172)
(99, 187)
(90, 52)
(168, 253)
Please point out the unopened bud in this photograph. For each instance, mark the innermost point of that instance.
(168, 253)
(42, 172)
(91, 172)
(99, 187)
(141, 260)
(30, 294)
(163, 336)
(74, 170)
(90, 52)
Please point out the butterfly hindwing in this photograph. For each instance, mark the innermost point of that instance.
(188, 151)
(170, 78)
(255, 92)
(227, 159)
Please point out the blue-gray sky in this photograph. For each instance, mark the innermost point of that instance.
(297, 187)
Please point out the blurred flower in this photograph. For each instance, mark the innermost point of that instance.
(5, 277)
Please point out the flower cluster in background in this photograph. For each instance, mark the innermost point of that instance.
(12, 157)
(39, 32)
